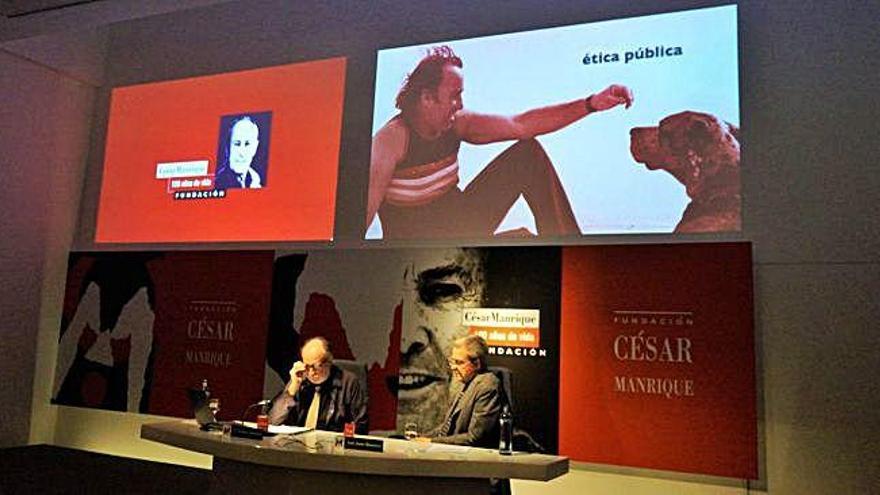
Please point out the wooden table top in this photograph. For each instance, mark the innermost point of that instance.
(318, 451)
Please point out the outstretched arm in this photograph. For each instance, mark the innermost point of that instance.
(389, 146)
(481, 128)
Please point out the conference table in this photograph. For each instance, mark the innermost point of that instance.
(317, 462)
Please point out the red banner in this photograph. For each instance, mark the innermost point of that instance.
(139, 328)
(657, 368)
(211, 321)
(156, 128)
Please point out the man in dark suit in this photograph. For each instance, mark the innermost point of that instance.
(319, 394)
(472, 417)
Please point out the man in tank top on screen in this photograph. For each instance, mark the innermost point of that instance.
(414, 169)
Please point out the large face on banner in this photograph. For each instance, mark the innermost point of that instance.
(437, 286)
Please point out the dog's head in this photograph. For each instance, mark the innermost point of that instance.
(698, 149)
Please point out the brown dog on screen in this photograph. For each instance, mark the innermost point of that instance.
(702, 152)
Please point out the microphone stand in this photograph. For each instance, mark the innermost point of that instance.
(243, 431)
(262, 403)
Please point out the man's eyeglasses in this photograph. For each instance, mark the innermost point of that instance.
(457, 362)
(316, 366)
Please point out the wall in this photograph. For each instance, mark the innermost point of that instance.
(810, 112)
(46, 117)
(809, 130)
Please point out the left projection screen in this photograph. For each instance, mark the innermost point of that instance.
(236, 157)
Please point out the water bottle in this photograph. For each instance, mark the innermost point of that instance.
(505, 444)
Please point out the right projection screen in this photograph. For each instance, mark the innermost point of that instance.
(458, 162)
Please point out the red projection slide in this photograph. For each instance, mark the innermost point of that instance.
(244, 156)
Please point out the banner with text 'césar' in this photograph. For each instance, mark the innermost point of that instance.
(657, 364)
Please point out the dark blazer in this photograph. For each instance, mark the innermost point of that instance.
(342, 401)
(475, 415)
(227, 179)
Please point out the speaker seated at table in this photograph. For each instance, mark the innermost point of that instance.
(321, 394)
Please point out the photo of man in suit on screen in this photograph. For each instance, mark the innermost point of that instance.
(243, 150)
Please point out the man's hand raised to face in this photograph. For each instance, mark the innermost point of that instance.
(297, 372)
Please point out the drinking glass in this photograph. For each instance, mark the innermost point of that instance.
(411, 430)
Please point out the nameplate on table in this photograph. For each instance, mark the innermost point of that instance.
(370, 444)
(244, 431)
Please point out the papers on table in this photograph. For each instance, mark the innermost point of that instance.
(279, 429)
(442, 448)
(288, 430)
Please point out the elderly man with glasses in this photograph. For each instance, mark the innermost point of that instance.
(472, 416)
(319, 394)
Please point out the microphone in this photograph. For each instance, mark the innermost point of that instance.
(262, 403)
(239, 429)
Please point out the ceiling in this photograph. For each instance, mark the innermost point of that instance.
(21, 19)
(20, 8)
